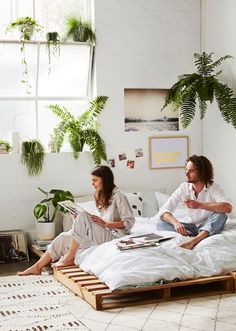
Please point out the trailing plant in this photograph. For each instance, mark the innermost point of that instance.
(4, 145)
(32, 156)
(81, 130)
(48, 207)
(202, 86)
(26, 25)
(52, 47)
(79, 30)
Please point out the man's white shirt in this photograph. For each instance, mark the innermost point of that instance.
(175, 204)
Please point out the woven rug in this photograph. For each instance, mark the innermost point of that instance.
(35, 303)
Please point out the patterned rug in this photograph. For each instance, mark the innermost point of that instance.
(35, 303)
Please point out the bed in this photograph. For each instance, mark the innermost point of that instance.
(110, 278)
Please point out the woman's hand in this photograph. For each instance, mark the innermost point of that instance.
(98, 220)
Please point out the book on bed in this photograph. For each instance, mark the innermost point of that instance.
(143, 240)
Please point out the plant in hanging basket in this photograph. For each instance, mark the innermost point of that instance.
(200, 87)
(52, 47)
(32, 156)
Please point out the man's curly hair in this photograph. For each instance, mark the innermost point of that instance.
(204, 168)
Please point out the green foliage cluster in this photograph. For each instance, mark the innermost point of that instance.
(6, 144)
(81, 130)
(44, 208)
(79, 30)
(32, 156)
(202, 86)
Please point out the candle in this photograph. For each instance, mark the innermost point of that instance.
(15, 141)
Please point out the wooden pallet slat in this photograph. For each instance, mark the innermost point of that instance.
(99, 296)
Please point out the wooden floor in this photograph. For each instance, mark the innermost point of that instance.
(99, 296)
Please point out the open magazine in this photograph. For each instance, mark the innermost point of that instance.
(144, 240)
(75, 208)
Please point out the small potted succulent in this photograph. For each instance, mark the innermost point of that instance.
(46, 210)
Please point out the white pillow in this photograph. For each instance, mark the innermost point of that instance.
(161, 198)
(136, 201)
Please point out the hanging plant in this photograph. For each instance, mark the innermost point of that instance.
(32, 156)
(202, 86)
(26, 26)
(52, 47)
(5, 147)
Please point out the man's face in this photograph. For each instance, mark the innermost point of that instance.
(191, 173)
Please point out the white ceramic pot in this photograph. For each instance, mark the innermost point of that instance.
(45, 230)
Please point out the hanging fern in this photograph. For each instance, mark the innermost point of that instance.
(32, 156)
(81, 130)
(202, 86)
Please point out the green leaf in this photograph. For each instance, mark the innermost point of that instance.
(39, 211)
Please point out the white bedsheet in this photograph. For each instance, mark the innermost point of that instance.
(119, 269)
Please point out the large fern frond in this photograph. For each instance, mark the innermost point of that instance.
(96, 145)
(224, 95)
(188, 109)
(202, 107)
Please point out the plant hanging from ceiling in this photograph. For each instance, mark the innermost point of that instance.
(202, 86)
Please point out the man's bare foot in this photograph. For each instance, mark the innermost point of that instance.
(63, 263)
(188, 245)
(34, 270)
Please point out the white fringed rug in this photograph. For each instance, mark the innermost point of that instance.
(35, 303)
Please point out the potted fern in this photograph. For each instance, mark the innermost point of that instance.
(202, 86)
(79, 30)
(45, 212)
(81, 130)
(32, 156)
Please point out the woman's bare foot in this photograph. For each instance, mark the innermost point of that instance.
(34, 270)
(189, 244)
(63, 263)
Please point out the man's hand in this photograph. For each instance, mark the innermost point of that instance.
(180, 228)
(193, 204)
(98, 220)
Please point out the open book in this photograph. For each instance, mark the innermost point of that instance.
(144, 240)
(75, 208)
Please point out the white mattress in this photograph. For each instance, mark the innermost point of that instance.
(119, 269)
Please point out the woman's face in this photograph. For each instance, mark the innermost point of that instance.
(97, 183)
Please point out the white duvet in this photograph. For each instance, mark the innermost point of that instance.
(119, 269)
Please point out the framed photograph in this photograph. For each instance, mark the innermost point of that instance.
(168, 152)
(13, 246)
(142, 111)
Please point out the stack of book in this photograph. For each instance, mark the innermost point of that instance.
(41, 245)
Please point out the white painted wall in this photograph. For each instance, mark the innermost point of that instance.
(143, 44)
(140, 44)
(220, 137)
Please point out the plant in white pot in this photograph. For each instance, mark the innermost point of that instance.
(46, 211)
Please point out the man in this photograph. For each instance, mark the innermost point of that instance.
(206, 202)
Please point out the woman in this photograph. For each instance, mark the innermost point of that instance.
(115, 220)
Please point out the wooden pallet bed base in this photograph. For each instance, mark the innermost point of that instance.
(100, 297)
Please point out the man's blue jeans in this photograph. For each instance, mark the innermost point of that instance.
(213, 225)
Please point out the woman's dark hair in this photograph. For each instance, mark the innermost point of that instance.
(204, 168)
(102, 198)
